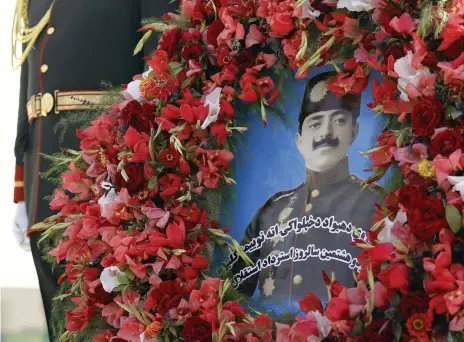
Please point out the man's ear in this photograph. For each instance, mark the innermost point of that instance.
(355, 131)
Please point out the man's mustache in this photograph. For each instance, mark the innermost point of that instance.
(332, 142)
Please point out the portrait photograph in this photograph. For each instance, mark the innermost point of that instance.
(302, 201)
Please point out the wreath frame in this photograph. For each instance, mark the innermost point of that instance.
(150, 180)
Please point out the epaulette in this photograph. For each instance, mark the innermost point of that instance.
(284, 194)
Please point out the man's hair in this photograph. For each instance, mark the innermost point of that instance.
(318, 99)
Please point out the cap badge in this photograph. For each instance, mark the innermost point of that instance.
(318, 92)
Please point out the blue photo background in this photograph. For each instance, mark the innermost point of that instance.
(270, 161)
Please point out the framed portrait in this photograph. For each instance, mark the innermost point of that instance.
(301, 199)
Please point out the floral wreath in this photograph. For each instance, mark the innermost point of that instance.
(136, 230)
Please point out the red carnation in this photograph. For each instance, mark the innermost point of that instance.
(214, 29)
(413, 302)
(446, 142)
(196, 330)
(427, 115)
(427, 218)
(169, 157)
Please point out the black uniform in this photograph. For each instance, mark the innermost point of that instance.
(84, 43)
(336, 213)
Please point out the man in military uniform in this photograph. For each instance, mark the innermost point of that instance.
(69, 48)
(300, 232)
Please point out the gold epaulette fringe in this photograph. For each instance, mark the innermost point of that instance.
(22, 34)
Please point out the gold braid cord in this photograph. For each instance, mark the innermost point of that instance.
(23, 34)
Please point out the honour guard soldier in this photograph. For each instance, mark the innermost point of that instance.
(68, 48)
(301, 232)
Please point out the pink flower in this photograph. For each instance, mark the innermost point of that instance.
(425, 86)
(444, 166)
(233, 29)
(283, 332)
(403, 24)
(411, 155)
(131, 330)
(457, 323)
(254, 36)
(453, 72)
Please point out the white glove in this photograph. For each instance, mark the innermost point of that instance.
(20, 226)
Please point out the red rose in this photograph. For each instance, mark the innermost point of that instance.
(395, 276)
(427, 218)
(310, 303)
(192, 51)
(446, 142)
(135, 181)
(427, 115)
(171, 41)
(138, 115)
(169, 157)
(245, 59)
(197, 330)
(414, 302)
(214, 29)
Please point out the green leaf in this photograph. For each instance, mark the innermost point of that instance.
(129, 275)
(173, 331)
(142, 42)
(453, 112)
(400, 139)
(175, 68)
(123, 280)
(152, 182)
(397, 330)
(187, 82)
(453, 216)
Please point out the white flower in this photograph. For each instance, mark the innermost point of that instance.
(212, 99)
(386, 235)
(110, 197)
(145, 339)
(323, 323)
(307, 11)
(458, 183)
(407, 74)
(133, 88)
(109, 278)
(355, 5)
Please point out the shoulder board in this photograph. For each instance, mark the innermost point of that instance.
(285, 194)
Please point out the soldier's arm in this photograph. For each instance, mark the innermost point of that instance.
(21, 136)
(156, 9)
(248, 286)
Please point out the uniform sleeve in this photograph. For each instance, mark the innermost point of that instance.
(156, 9)
(248, 286)
(22, 131)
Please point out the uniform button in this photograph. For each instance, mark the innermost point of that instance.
(297, 280)
(309, 206)
(44, 68)
(353, 178)
(315, 193)
(51, 30)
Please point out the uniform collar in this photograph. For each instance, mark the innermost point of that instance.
(340, 172)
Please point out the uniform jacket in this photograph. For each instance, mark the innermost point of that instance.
(84, 43)
(318, 222)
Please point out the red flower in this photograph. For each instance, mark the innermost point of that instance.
(413, 302)
(171, 41)
(135, 181)
(338, 309)
(395, 276)
(196, 330)
(427, 115)
(170, 185)
(214, 29)
(192, 51)
(310, 303)
(372, 331)
(409, 196)
(169, 157)
(219, 129)
(158, 86)
(164, 297)
(281, 24)
(419, 324)
(427, 218)
(446, 142)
